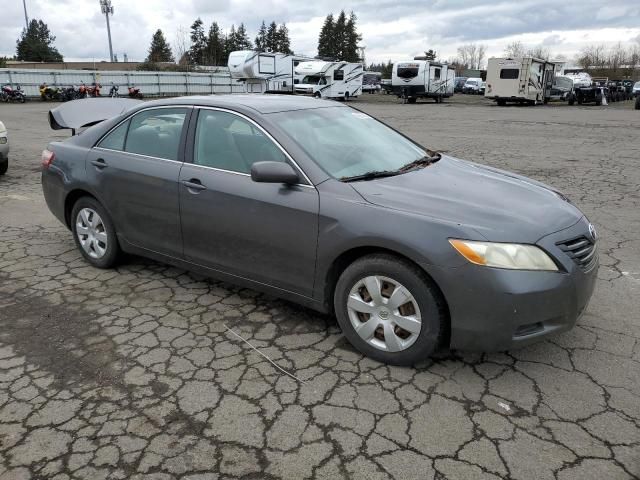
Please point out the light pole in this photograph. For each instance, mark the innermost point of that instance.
(26, 18)
(107, 9)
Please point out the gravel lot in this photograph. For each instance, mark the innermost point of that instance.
(137, 372)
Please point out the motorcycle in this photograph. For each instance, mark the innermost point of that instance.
(12, 94)
(94, 89)
(135, 93)
(68, 93)
(82, 91)
(113, 92)
(49, 93)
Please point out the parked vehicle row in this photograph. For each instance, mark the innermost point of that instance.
(64, 94)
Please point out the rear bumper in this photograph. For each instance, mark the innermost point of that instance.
(496, 309)
(54, 192)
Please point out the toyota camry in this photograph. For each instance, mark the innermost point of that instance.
(321, 204)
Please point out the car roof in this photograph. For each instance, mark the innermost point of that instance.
(261, 103)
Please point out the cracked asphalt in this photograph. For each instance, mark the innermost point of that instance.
(140, 373)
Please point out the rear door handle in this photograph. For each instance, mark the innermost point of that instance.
(194, 184)
(99, 163)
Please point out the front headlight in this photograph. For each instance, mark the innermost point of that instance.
(3, 140)
(504, 255)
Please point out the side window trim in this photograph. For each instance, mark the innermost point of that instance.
(182, 150)
(191, 139)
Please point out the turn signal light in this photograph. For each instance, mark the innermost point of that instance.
(47, 158)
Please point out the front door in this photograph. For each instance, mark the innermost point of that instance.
(265, 232)
(134, 171)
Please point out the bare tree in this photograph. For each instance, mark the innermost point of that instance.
(592, 56)
(181, 45)
(539, 51)
(617, 56)
(472, 55)
(514, 50)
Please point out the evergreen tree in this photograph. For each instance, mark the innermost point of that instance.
(340, 36)
(36, 44)
(215, 52)
(351, 40)
(230, 43)
(283, 43)
(198, 43)
(430, 54)
(242, 39)
(159, 50)
(326, 41)
(261, 38)
(272, 38)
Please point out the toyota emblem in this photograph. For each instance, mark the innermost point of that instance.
(592, 232)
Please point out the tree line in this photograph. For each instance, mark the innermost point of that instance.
(339, 38)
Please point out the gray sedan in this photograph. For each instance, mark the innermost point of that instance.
(323, 205)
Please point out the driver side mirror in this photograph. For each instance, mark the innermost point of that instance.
(274, 172)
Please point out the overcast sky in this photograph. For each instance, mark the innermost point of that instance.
(391, 29)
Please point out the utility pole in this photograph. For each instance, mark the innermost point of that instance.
(26, 17)
(107, 9)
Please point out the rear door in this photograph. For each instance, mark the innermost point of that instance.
(134, 171)
(265, 232)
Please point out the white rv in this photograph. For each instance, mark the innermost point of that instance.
(262, 72)
(520, 80)
(329, 79)
(422, 79)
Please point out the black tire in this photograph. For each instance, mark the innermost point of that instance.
(412, 100)
(346, 96)
(501, 103)
(112, 253)
(317, 95)
(4, 166)
(637, 105)
(572, 100)
(424, 291)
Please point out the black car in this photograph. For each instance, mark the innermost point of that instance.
(458, 84)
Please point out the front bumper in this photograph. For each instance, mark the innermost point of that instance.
(4, 152)
(497, 309)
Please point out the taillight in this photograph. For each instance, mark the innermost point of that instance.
(47, 158)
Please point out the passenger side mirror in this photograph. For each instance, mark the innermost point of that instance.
(274, 172)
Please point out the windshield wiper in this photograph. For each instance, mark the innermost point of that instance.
(421, 162)
(370, 175)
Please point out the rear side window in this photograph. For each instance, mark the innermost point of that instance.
(338, 75)
(509, 73)
(436, 74)
(156, 133)
(115, 139)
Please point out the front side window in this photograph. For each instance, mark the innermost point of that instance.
(229, 142)
(115, 139)
(436, 74)
(156, 133)
(345, 142)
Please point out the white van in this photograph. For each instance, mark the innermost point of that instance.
(422, 79)
(472, 85)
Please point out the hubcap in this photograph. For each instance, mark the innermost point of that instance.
(384, 313)
(91, 233)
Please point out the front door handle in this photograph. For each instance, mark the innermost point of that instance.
(99, 163)
(194, 184)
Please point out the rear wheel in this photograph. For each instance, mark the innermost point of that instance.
(4, 166)
(389, 309)
(637, 105)
(94, 233)
(412, 99)
(502, 103)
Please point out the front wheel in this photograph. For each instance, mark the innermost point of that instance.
(389, 309)
(4, 166)
(94, 233)
(317, 95)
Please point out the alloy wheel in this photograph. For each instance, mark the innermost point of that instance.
(384, 313)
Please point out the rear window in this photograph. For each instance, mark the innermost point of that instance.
(408, 70)
(509, 73)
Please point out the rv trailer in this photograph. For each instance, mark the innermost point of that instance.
(342, 80)
(520, 80)
(261, 72)
(422, 79)
(371, 82)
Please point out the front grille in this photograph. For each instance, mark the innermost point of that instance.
(581, 250)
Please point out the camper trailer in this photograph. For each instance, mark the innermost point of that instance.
(371, 82)
(261, 72)
(520, 80)
(422, 79)
(329, 79)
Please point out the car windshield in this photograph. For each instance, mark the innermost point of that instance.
(347, 143)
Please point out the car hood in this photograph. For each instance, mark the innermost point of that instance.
(501, 206)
